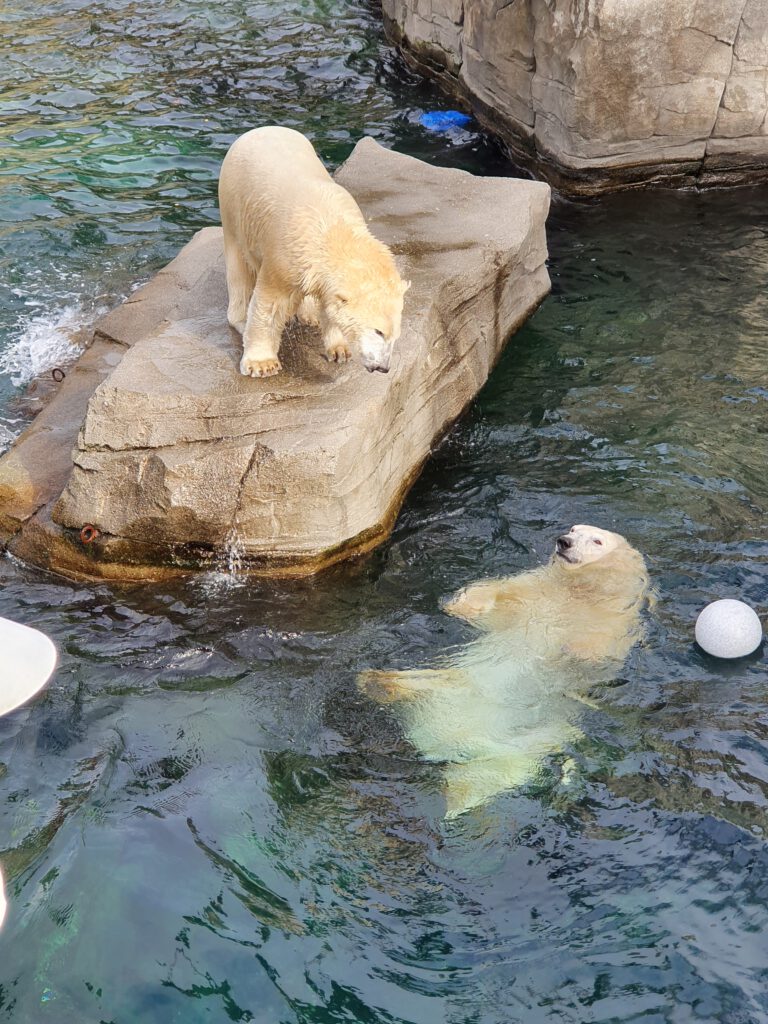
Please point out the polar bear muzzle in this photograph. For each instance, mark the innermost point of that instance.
(375, 351)
(584, 544)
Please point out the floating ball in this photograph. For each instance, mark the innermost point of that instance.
(728, 629)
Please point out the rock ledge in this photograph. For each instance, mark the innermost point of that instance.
(604, 94)
(178, 458)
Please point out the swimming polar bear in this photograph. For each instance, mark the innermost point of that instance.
(493, 711)
(295, 242)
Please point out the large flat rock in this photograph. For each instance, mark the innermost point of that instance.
(605, 94)
(180, 457)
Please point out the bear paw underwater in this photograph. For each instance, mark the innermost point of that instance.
(296, 243)
(492, 711)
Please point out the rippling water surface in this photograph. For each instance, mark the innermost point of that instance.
(201, 819)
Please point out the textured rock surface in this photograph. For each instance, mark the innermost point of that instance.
(601, 94)
(178, 455)
(39, 463)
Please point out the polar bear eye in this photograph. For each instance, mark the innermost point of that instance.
(596, 541)
(380, 333)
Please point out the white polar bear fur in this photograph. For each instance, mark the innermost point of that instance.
(295, 242)
(493, 711)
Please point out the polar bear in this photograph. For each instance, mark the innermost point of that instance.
(295, 242)
(493, 710)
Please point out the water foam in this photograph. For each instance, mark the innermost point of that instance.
(7, 435)
(228, 574)
(45, 341)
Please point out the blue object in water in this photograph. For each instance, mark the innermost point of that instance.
(444, 120)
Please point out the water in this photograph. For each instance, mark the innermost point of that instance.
(202, 819)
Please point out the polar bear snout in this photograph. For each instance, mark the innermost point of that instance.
(375, 351)
(568, 548)
(584, 544)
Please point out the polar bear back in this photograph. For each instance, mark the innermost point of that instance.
(274, 190)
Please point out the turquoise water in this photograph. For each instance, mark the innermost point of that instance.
(202, 819)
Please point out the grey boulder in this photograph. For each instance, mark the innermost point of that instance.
(603, 94)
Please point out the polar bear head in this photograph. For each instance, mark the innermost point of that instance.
(369, 316)
(584, 544)
(362, 292)
(602, 583)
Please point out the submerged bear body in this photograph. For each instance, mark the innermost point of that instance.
(495, 709)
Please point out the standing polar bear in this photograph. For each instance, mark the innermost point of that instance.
(495, 709)
(295, 242)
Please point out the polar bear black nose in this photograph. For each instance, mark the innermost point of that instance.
(563, 543)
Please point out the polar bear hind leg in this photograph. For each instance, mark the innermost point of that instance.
(309, 311)
(336, 348)
(390, 687)
(473, 783)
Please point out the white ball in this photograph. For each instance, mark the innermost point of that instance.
(728, 629)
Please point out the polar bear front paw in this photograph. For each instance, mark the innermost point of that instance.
(338, 353)
(250, 367)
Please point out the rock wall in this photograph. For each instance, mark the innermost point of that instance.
(178, 458)
(602, 94)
